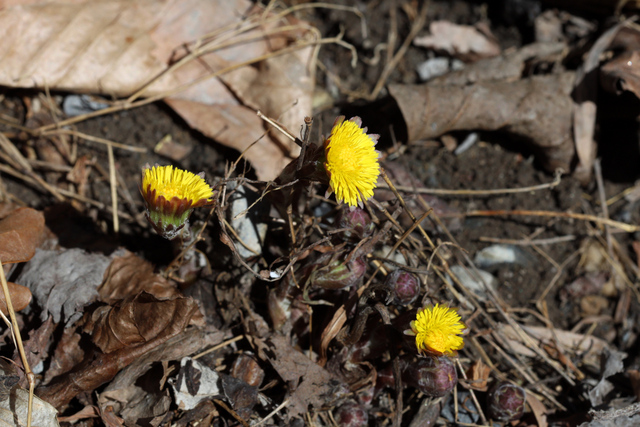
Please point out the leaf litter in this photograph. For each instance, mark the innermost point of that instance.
(302, 326)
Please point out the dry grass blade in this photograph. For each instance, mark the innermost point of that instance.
(16, 332)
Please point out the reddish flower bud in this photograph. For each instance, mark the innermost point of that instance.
(404, 285)
(358, 221)
(351, 414)
(506, 401)
(339, 274)
(433, 377)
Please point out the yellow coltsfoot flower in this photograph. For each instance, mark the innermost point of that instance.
(170, 194)
(438, 330)
(351, 161)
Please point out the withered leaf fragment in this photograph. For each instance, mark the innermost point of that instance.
(20, 234)
(128, 275)
(536, 109)
(136, 320)
(173, 315)
(20, 297)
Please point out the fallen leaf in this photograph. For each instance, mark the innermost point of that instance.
(20, 297)
(612, 361)
(64, 282)
(20, 233)
(536, 109)
(311, 385)
(622, 74)
(589, 347)
(187, 343)
(462, 41)
(133, 46)
(104, 367)
(137, 319)
(14, 405)
(134, 403)
(129, 274)
(478, 375)
(585, 96)
(538, 409)
(194, 383)
(67, 354)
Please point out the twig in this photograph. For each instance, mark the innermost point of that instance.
(14, 322)
(272, 413)
(443, 192)
(219, 346)
(92, 138)
(629, 228)
(416, 27)
(473, 395)
(527, 242)
(114, 189)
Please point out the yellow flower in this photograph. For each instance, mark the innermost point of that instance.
(437, 330)
(170, 195)
(351, 161)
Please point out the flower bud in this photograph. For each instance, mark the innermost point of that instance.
(170, 195)
(433, 377)
(405, 287)
(506, 401)
(339, 274)
(357, 221)
(352, 414)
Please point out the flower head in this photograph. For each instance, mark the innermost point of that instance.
(170, 195)
(438, 330)
(351, 161)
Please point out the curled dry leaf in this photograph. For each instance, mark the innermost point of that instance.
(536, 109)
(104, 367)
(138, 319)
(20, 297)
(128, 275)
(20, 233)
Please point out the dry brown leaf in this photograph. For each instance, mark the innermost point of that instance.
(589, 347)
(314, 384)
(478, 375)
(67, 354)
(20, 233)
(536, 109)
(622, 74)
(508, 66)
(462, 41)
(104, 367)
(128, 275)
(138, 319)
(20, 297)
(115, 47)
(585, 95)
(538, 409)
